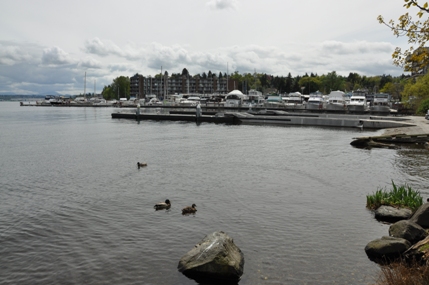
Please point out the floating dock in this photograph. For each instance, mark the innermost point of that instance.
(217, 118)
(272, 118)
(323, 120)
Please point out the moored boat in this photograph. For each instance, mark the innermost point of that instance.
(357, 103)
(274, 101)
(235, 98)
(316, 102)
(294, 100)
(255, 98)
(381, 104)
(336, 101)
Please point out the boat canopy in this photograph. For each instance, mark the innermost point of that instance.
(235, 92)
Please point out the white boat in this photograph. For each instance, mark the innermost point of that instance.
(173, 99)
(186, 102)
(274, 101)
(80, 100)
(235, 98)
(357, 103)
(253, 92)
(336, 101)
(316, 102)
(294, 100)
(154, 102)
(381, 103)
(49, 99)
(255, 98)
(195, 99)
(97, 100)
(124, 102)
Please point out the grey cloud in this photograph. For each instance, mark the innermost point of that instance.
(55, 56)
(98, 47)
(90, 63)
(105, 48)
(167, 57)
(12, 52)
(25, 75)
(335, 47)
(120, 68)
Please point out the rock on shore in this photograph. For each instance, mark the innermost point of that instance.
(386, 248)
(421, 216)
(215, 257)
(408, 230)
(402, 235)
(392, 214)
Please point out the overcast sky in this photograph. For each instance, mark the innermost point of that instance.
(46, 46)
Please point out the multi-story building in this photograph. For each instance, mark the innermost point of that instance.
(164, 85)
(136, 82)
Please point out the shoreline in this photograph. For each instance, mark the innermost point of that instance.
(421, 127)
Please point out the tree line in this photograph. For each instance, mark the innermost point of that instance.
(412, 91)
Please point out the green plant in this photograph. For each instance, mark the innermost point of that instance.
(403, 196)
(423, 107)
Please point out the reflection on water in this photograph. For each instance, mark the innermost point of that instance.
(77, 210)
(413, 162)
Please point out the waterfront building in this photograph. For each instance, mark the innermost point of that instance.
(163, 85)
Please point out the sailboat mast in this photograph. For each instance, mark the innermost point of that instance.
(226, 78)
(84, 87)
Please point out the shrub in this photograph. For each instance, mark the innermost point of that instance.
(400, 197)
(401, 273)
(423, 107)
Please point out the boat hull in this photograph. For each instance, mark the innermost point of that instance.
(295, 106)
(380, 109)
(335, 107)
(311, 106)
(356, 108)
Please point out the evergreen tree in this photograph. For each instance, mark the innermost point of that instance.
(289, 83)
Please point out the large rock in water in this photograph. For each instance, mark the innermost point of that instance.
(407, 230)
(215, 257)
(392, 214)
(386, 249)
(421, 216)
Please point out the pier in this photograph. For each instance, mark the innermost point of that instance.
(217, 118)
(270, 118)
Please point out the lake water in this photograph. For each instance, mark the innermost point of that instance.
(76, 210)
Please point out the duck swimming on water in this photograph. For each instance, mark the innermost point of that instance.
(189, 210)
(163, 205)
(139, 164)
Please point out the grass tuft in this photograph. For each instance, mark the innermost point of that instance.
(401, 273)
(399, 197)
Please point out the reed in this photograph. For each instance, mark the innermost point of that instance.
(401, 273)
(401, 197)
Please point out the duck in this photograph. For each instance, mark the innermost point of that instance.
(189, 210)
(163, 205)
(139, 164)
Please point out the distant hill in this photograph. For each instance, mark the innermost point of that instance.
(20, 97)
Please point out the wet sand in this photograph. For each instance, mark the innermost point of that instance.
(421, 127)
